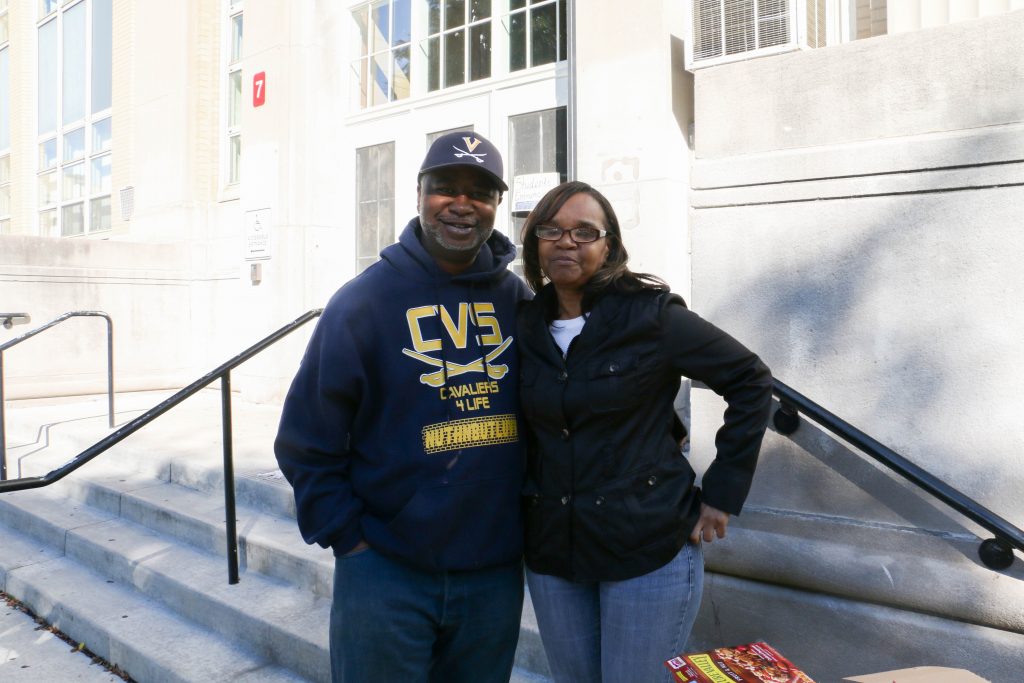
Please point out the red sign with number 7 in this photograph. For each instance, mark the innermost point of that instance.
(259, 89)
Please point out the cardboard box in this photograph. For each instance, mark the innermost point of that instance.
(920, 674)
(751, 663)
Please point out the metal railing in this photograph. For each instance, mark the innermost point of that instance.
(223, 373)
(995, 553)
(31, 333)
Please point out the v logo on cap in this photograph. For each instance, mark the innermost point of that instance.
(465, 148)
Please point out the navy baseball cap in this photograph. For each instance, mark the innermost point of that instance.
(465, 148)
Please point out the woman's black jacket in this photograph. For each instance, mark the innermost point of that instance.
(608, 494)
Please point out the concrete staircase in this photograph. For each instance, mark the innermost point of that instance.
(128, 555)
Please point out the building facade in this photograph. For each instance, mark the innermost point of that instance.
(836, 182)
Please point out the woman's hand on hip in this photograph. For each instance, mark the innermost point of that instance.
(712, 522)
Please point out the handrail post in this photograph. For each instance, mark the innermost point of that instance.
(3, 433)
(229, 478)
(110, 371)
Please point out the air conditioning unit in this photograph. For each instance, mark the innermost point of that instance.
(730, 30)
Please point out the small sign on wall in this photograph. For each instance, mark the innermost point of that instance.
(529, 188)
(259, 89)
(257, 235)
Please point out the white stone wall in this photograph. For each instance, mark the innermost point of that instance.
(856, 216)
(144, 290)
(635, 107)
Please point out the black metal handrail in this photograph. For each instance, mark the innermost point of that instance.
(42, 328)
(996, 553)
(223, 373)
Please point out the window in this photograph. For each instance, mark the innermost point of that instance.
(730, 30)
(458, 44)
(435, 135)
(537, 144)
(233, 90)
(383, 68)
(729, 27)
(74, 98)
(536, 33)
(46, 7)
(449, 43)
(870, 18)
(375, 202)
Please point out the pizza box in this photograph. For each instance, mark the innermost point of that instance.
(761, 663)
(751, 663)
(920, 674)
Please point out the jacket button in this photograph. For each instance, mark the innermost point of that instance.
(565, 434)
(562, 376)
(613, 367)
(599, 501)
(566, 499)
(652, 481)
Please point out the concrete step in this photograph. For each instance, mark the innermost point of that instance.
(159, 496)
(268, 544)
(167, 542)
(278, 621)
(30, 653)
(123, 626)
(832, 638)
(840, 597)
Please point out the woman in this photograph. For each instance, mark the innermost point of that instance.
(613, 520)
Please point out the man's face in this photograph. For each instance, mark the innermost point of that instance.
(457, 207)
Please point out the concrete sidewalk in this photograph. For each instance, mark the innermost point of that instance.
(29, 653)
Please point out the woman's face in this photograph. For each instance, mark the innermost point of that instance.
(567, 264)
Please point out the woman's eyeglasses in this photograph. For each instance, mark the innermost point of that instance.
(580, 235)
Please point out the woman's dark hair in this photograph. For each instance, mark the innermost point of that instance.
(613, 274)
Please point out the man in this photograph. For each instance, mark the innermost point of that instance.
(400, 438)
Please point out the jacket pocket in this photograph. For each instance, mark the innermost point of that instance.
(636, 511)
(658, 502)
(611, 383)
(547, 531)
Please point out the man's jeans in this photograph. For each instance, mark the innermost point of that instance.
(391, 622)
(618, 631)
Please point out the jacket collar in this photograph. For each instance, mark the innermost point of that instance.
(607, 307)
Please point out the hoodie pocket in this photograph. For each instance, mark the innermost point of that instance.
(464, 525)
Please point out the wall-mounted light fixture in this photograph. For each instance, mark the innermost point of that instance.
(9, 320)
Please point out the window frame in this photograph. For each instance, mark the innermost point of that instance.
(467, 26)
(560, 158)
(385, 237)
(231, 118)
(70, 211)
(369, 56)
(527, 11)
(485, 47)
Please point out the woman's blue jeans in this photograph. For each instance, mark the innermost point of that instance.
(392, 622)
(618, 631)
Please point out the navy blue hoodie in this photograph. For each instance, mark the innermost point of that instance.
(401, 425)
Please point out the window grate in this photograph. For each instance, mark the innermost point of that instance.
(722, 28)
